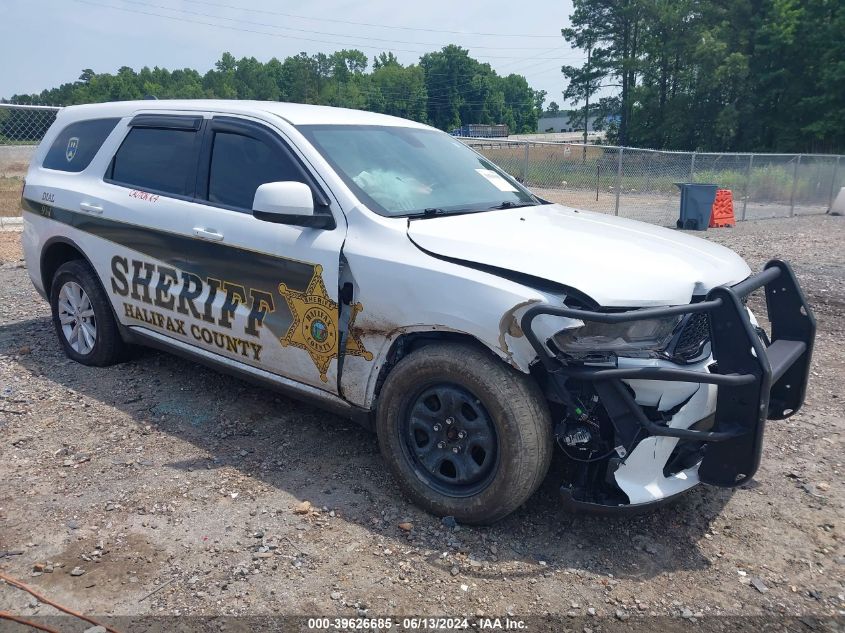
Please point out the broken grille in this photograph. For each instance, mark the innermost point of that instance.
(693, 335)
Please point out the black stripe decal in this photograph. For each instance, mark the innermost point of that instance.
(205, 259)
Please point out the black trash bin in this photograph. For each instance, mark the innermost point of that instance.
(696, 205)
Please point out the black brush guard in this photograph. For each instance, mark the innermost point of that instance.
(755, 382)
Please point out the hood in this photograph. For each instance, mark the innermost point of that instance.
(615, 261)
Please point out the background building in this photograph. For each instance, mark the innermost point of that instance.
(564, 122)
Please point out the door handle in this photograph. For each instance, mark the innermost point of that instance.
(90, 208)
(208, 234)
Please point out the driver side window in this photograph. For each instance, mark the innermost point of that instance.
(240, 164)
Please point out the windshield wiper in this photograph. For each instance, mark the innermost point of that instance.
(430, 213)
(436, 211)
(507, 204)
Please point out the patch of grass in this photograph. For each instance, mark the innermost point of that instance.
(13, 169)
(656, 174)
(5, 140)
(10, 196)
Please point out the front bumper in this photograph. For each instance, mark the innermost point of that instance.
(754, 382)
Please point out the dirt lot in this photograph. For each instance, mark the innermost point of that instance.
(10, 196)
(159, 471)
(14, 161)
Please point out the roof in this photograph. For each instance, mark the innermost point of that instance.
(293, 113)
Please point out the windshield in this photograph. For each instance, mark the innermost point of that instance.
(399, 171)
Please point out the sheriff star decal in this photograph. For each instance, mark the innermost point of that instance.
(314, 325)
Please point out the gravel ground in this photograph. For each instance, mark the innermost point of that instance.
(115, 481)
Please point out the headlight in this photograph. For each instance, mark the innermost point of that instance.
(633, 338)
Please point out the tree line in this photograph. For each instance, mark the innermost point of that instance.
(446, 89)
(764, 75)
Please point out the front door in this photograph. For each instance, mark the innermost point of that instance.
(269, 294)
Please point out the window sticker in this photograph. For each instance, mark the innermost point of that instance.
(72, 147)
(496, 180)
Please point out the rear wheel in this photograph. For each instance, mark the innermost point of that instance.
(83, 317)
(464, 434)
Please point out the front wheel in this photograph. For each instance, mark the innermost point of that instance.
(464, 435)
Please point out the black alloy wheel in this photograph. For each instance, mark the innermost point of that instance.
(451, 440)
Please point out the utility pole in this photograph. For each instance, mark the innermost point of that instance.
(587, 91)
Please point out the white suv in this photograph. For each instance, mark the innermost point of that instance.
(384, 270)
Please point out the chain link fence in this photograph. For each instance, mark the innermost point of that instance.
(21, 129)
(640, 184)
(629, 182)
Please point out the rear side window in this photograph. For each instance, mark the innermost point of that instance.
(161, 160)
(240, 164)
(77, 144)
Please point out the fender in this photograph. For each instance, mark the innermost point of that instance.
(361, 386)
(59, 239)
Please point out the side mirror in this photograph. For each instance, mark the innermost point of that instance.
(288, 203)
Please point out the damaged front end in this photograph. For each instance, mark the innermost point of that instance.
(640, 427)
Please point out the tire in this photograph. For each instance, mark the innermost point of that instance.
(442, 382)
(97, 341)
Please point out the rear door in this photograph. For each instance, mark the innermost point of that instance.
(275, 286)
(144, 209)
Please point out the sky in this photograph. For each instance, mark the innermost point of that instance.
(45, 43)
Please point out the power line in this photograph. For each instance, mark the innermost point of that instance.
(442, 94)
(245, 30)
(448, 88)
(381, 26)
(541, 68)
(538, 56)
(309, 31)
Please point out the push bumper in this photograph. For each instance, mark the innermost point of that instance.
(755, 382)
